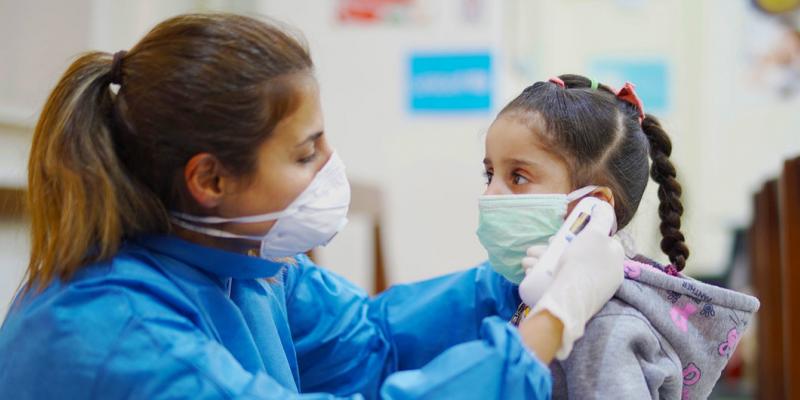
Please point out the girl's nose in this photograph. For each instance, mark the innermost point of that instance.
(496, 187)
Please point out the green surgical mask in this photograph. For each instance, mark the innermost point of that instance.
(509, 224)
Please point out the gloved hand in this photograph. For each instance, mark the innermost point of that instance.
(588, 274)
(533, 254)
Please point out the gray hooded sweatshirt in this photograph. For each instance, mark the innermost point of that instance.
(662, 336)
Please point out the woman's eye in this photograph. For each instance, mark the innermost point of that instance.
(308, 159)
(518, 179)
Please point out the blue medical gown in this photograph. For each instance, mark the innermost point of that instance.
(166, 318)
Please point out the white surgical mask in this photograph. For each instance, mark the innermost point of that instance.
(311, 220)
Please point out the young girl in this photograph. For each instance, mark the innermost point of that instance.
(663, 335)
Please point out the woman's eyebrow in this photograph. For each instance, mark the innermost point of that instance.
(311, 138)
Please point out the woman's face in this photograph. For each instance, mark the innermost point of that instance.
(516, 161)
(286, 164)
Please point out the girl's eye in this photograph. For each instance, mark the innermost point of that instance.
(518, 179)
(487, 175)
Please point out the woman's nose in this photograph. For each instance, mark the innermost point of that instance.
(326, 150)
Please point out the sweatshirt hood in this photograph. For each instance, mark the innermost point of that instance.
(701, 322)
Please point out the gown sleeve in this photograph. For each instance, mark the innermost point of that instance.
(443, 338)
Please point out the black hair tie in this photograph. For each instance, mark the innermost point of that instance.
(116, 67)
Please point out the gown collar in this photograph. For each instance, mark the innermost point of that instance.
(222, 263)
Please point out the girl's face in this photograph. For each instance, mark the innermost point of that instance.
(286, 164)
(517, 162)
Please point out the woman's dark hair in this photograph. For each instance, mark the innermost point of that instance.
(105, 166)
(603, 143)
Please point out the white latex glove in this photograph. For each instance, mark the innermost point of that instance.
(589, 273)
(533, 254)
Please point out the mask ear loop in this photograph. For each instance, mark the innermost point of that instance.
(213, 232)
(580, 193)
(239, 220)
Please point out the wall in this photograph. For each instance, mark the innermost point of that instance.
(727, 136)
(37, 41)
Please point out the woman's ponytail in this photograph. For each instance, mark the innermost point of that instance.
(82, 203)
(670, 208)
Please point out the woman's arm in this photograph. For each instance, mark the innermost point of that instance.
(164, 355)
(170, 360)
(542, 334)
(497, 366)
(426, 339)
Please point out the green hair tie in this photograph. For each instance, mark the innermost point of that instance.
(595, 85)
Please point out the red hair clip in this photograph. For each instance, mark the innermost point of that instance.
(628, 94)
(558, 82)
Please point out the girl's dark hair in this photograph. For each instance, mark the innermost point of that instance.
(603, 143)
(105, 166)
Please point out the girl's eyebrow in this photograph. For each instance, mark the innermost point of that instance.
(516, 162)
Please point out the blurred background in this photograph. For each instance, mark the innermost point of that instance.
(410, 87)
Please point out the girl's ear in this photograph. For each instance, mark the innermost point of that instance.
(604, 193)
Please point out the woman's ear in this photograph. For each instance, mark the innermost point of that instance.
(604, 193)
(203, 175)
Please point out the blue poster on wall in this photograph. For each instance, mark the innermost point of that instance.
(651, 78)
(450, 82)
